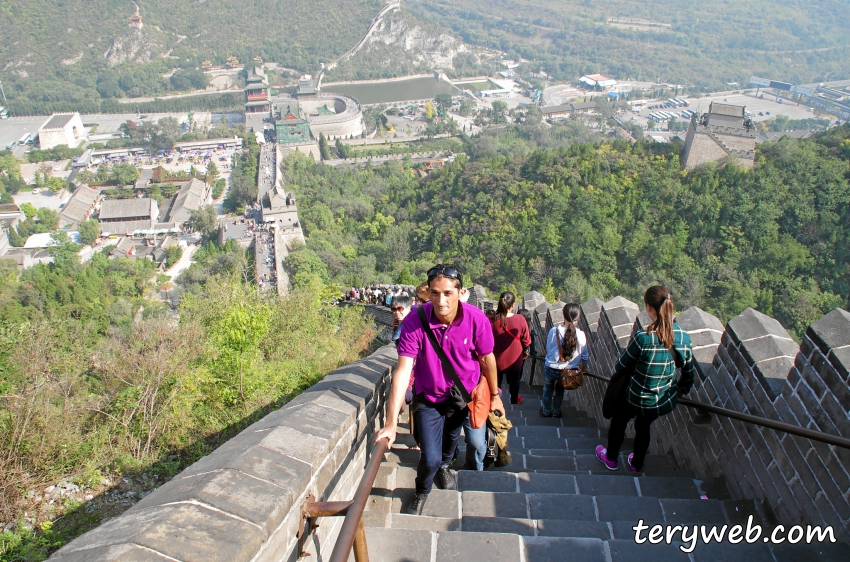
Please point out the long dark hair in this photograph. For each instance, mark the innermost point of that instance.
(571, 314)
(659, 298)
(506, 303)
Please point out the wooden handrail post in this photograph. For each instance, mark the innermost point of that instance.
(361, 552)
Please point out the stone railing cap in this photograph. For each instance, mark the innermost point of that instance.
(832, 331)
(620, 302)
(533, 296)
(752, 324)
(591, 306)
(695, 318)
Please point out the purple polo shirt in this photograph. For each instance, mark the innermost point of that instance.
(468, 338)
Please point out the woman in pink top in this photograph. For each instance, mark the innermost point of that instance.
(511, 340)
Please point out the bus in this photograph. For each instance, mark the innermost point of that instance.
(25, 139)
(4, 113)
(683, 102)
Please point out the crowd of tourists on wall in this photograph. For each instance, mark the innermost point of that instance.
(454, 358)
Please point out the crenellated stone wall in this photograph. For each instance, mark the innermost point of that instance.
(753, 366)
(243, 501)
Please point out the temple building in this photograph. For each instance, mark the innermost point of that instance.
(257, 92)
(290, 124)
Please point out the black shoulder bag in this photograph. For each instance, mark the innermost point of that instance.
(458, 395)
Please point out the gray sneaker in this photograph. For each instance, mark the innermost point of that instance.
(417, 505)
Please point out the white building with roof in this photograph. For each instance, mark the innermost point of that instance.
(597, 81)
(62, 128)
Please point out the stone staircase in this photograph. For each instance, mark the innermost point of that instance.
(557, 502)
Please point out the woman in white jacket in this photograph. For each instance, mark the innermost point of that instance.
(566, 348)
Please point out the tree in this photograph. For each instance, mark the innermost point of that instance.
(324, 149)
(55, 184)
(204, 220)
(430, 112)
(500, 110)
(89, 231)
(48, 219)
(212, 172)
(173, 255)
(466, 107)
(342, 150)
(218, 188)
(444, 100)
(124, 174)
(28, 209)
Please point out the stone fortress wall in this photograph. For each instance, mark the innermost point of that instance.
(753, 366)
(348, 119)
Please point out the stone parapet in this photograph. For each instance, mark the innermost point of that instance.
(751, 366)
(242, 502)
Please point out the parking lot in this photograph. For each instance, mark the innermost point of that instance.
(761, 109)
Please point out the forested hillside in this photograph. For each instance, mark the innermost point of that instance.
(104, 390)
(700, 44)
(596, 219)
(72, 51)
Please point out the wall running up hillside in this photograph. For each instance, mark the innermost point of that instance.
(752, 365)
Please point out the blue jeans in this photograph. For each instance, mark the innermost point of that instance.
(553, 392)
(438, 435)
(476, 445)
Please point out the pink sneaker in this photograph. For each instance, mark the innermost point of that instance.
(631, 466)
(602, 455)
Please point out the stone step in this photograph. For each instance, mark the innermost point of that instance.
(558, 496)
(411, 545)
(406, 544)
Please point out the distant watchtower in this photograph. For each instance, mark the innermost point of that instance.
(725, 130)
(136, 21)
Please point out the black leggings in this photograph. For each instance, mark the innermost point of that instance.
(617, 431)
(513, 376)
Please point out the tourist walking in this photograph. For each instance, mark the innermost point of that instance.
(400, 309)
(511, 339)
(464, 335)
(566, 348)
(651, 359)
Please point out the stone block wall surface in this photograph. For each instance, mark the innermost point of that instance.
(243, 501)
(752, 366)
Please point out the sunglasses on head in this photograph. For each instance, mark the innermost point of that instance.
(445, 271)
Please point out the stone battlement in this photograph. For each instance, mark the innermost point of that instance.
(752, 366)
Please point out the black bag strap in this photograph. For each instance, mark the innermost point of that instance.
(447, 366)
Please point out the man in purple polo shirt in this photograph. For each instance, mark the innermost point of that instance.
(466, 337)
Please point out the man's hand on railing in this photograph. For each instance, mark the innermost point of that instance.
(389, 432)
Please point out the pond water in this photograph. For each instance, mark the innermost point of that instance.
(389, 92)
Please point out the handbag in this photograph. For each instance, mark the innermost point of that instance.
(616, 394)
(494, 454)
(459, 398)
(571, 379)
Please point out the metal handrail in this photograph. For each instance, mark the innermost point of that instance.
(352, 533)
(828, 438)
